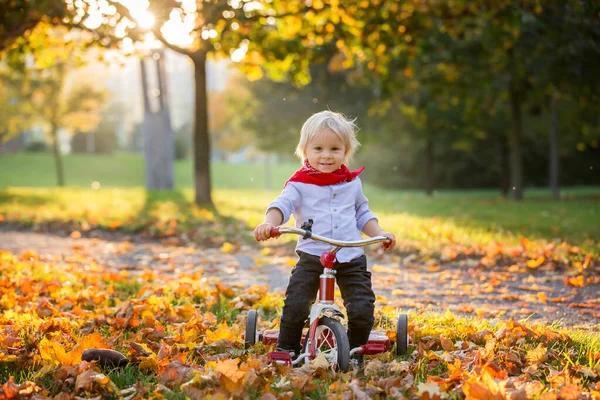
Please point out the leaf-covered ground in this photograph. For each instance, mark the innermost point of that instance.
(500, 322)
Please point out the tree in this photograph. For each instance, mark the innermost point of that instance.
(503, 45)
(44, 95)
(16, 114)
(20, 17)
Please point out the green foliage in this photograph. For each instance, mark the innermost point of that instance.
(182, 138)
(36, 147)
(19, 17)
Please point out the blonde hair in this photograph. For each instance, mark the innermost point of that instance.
(338, 123)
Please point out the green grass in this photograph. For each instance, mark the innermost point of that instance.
(466, 217)
(127, 170)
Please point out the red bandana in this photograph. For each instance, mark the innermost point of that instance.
(307, 174)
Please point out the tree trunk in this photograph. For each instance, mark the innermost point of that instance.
(554, 158)
(54, 120)
(60, 175)
(156, 128)
(516, 168)
(504, 166)
(429, 167)
(201, 138)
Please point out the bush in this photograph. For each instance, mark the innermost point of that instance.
(36, 147)
(79, 143)
(105, 139)
(182, 138)
(392, 164)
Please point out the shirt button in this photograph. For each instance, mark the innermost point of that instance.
(334, 195)
(335, 209)
(335, 226)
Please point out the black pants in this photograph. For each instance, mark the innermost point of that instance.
(355, 285)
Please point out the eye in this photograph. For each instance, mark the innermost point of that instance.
(317, 148)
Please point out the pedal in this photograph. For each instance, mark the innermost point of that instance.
(276, 356)
(373, 348)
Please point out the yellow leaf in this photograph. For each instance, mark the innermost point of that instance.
(53, 353)
(227, 248)
(223, 333)
(290, 262)
(149, 364)
(537, 355)
(7, 358)
(254, 73)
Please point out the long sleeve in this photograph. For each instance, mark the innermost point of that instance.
(286, 202)
(363, 213)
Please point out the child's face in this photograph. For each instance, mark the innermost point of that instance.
(326, 151)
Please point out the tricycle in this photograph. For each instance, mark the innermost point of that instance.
(326, 334)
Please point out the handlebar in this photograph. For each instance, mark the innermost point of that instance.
(278, 231)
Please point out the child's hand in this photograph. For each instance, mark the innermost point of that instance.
(263, 231)
(387, 246)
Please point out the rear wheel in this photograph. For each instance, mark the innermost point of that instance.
(251, 323)
(402, 335)
(332, 342)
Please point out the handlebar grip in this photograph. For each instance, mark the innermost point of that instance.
(275, 232)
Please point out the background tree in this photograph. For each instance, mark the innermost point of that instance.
(49, 101)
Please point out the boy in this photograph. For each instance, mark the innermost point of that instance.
(325, 191)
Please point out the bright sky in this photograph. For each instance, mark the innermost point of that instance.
(177, 30)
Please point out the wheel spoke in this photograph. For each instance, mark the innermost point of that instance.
(326, 344)
(331, 341)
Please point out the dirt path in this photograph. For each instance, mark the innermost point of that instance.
(464, 288)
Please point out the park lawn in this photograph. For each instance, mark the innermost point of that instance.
(426, 223)
(127, 170)
(465, 218)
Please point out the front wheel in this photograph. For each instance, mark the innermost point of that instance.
(332, 342)
(251, 324)
(402, 335)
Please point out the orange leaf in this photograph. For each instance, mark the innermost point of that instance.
(542, 296)
(115, 224)
(577, 281)
(536, 263)
(230, 369)
(446, 343)
(226, 290)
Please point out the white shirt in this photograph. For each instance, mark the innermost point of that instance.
(338, 212)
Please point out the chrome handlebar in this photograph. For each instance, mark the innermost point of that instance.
(277, 231)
